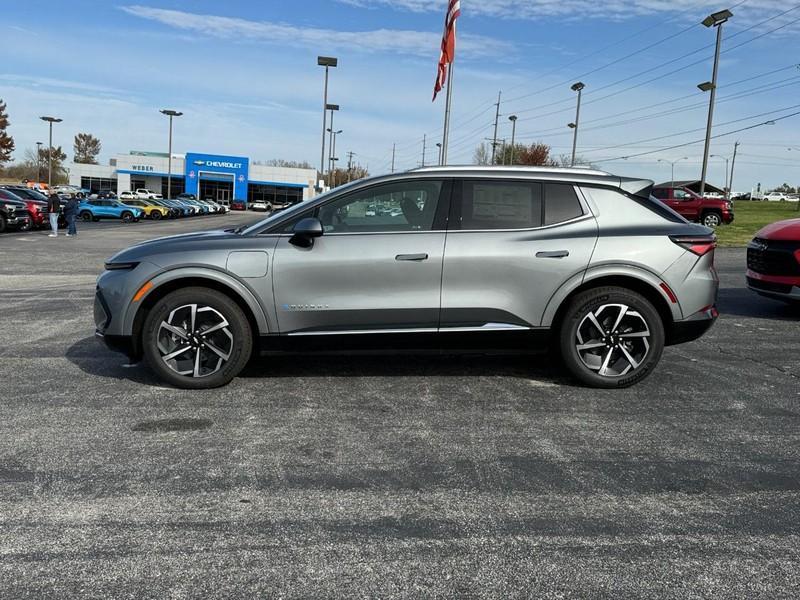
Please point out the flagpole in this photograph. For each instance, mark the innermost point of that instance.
(446, 135)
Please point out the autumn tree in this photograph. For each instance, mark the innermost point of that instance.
(6, 141)
(86, 147)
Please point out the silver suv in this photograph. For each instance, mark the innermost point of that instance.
(454, 258)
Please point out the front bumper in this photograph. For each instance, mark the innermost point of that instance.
(780, 287)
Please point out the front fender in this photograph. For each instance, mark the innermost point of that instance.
(220, 277)
(606, 271)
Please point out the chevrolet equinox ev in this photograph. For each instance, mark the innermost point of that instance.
(455, 259)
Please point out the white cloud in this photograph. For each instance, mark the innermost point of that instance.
(568, 9)
(408, 42)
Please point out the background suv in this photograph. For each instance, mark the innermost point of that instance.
(94, 210)
(13, 213)
(711, 212)
(482, 258)
(35, 203)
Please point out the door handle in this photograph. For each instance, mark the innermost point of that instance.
(412, 257)
(553, 254)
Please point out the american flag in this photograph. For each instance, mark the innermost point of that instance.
(448, 53)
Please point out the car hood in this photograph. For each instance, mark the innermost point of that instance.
(788, 230)
(173, 243)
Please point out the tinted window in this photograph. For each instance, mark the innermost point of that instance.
(501, 205)
(660, 193)
(397, 206)
(561, 203)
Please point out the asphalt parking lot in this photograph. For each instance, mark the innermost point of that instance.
(429, 476)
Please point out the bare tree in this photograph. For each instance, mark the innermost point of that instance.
(482, 155)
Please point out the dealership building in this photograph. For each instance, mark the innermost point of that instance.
(216, 177)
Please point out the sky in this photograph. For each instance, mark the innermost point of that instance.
(244, 74)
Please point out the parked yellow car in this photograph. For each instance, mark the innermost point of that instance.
(151, 211)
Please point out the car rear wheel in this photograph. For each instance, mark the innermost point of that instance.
(712, 219)
(86, 216)
(127, 217)
(611, 337)
(197, 338)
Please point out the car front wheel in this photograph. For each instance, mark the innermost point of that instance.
(86, 216)
(197, 338)
(611, 337)
(712, 219)
(155, 215)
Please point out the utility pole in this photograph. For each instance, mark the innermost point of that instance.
(424, 147)
(394, 146)
(733, 164)
(496, 119)
(38, 162)
(349, 164)
(513, 119)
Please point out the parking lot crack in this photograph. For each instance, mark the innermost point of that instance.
(782, 370)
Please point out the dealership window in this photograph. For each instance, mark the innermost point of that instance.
(177, 184)
(98, 184)
(274, 194)
(137, 184)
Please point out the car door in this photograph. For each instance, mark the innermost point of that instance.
(368, 272)
(510, 246)
(686, 204)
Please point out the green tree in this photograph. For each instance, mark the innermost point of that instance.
(86, 147)
(6, 141)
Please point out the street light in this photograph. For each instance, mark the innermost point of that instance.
(513, 119)
(327, 62)
(672, 164)
(713, 20)
(170, 114)
(50, 120)
(333, 154)
(439, 146)
(39, 162)
(332, 108)
(576, 87)
(727, 162)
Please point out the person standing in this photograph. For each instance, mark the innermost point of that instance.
(70, 214)
(54, 207)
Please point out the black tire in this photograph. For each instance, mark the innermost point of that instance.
(241, 346)
(156, 215)
(126, 217)
(646, 350)
(712, 219)
(86, 216)
(3, 224)
(27, 226)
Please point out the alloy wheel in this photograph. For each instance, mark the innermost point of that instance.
(711, 220)
(613, 340)
(195, 340)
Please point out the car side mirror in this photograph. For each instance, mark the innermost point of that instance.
(305, 230)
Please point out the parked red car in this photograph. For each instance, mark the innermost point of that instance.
(773, 261)
(238, 205)
(35, 202)
(711, 212)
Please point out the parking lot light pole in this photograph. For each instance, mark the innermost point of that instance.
(327, 62)
(332, 108)
(672, 163)
(332, 171)
(50, 120)
(716, 19)
(439, 146)
(39, 162)
(513, 119)
(576, 87)
(171, 114)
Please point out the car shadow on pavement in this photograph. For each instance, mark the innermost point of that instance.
(742, 302)
(93, 359)
(96, 360)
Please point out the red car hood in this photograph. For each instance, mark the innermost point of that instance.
(788, 230)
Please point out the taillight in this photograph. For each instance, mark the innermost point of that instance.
(696, 244)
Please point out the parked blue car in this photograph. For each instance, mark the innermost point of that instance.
(94, 210)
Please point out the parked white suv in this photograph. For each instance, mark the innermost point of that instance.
(128, 196)
(145, 194)
(775, 197)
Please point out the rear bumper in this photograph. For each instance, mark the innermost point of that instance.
(692, 328)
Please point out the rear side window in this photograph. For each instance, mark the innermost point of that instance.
(561, 203)
(661, 193)
(501, 205)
